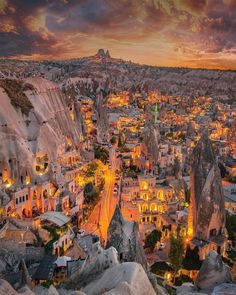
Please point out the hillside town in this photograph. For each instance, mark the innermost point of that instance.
(116, 183)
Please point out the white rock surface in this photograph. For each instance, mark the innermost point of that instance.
(7, 289)
(225, 289)
(44, 130)
(213, 272)
(125, 279)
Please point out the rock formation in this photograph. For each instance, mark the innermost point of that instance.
(125, 238)
(206, 211)
(224, 289)
(102, 120)
(213, 272)
(123, 279)
(26, 279)
(102, 273)
(152, 140)
(40, 123)
(213, 278)
(102, 54)
(6, 288)
(127, 279)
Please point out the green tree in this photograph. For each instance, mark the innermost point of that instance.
(91, 169)
(113, 140)
(121, 140)
(152, 239)
(101, 153)
(231, 225)
(187, 195)
(176, 253)
(91, 193)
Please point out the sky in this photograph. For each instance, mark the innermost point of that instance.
(183, 33)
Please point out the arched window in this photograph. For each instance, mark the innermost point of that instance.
(45, 194)
(153, 207)
(144, 207)
(160, 195)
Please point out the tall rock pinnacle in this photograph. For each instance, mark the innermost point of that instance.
(206, 211)
(124, 236)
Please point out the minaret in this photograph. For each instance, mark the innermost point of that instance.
(156, 114)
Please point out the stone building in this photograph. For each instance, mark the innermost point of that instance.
(151, 199)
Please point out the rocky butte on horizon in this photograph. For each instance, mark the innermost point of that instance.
(102, 54)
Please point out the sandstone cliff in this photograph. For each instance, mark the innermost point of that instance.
(40, 125)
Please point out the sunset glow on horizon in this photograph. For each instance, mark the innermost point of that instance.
(181, 33)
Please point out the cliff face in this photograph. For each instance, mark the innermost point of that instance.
(45, 128)
(206, 212)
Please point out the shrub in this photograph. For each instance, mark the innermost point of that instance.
(182, 279)
(160, 268)
(101, 153)
(113, 140)
(15, 90)
(176, 252)
(152, 239)
(191, 260)
(231, 225)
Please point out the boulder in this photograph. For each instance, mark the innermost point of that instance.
(213, 272)
(6, 288)
(224, 289)
(128, 278)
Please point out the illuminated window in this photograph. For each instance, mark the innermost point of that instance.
(160, 195)
(144, 207)
(144, 185)
(153, 207)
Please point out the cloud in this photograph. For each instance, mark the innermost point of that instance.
(180, 30)
(192, 6)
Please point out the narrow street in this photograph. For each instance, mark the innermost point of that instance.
(99, 219)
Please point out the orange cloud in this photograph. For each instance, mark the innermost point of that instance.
(158, 32)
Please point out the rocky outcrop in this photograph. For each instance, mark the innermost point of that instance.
(6, 288)
(127, 279)
(213, 278)
(224, 289)
(207, 211)
(95, 264)
(102, 54)
(125, 238)
(45, 128)
(124, 279)
(152, 140)
(102, 120)
(213, 272)
(26, 279)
